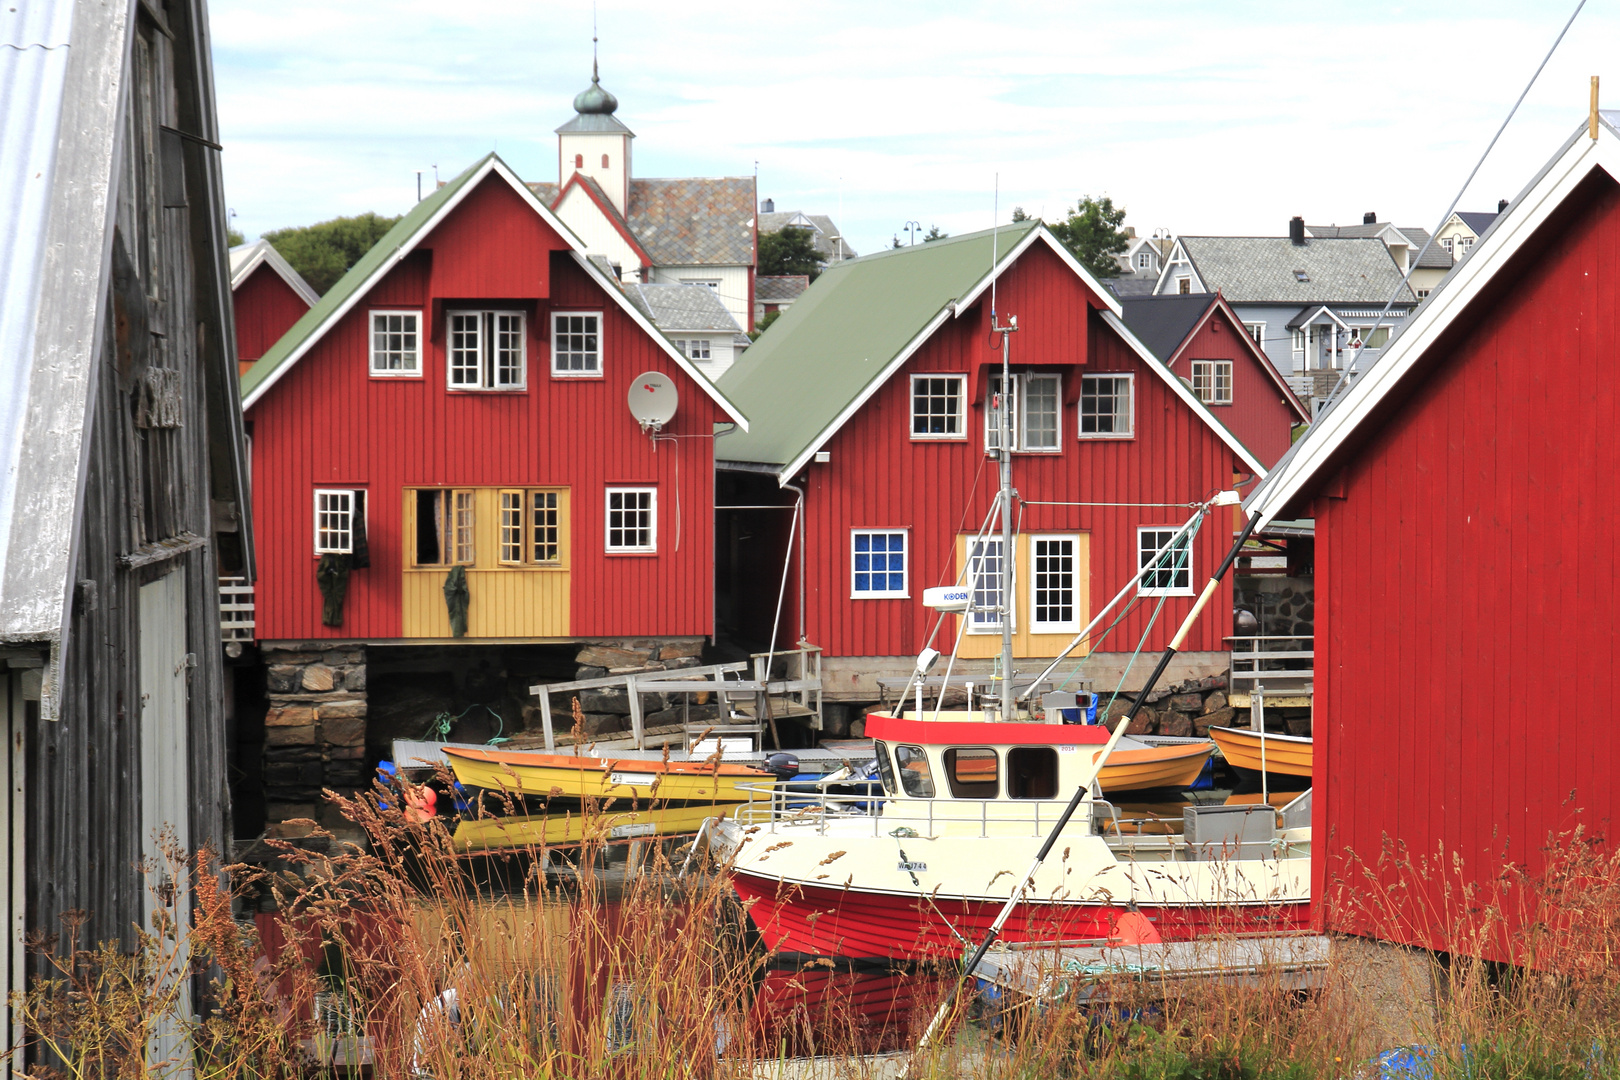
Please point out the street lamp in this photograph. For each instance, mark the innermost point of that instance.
(912, 229)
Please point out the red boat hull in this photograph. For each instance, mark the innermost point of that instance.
(859, 925)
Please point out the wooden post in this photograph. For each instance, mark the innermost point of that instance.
(545, 715)
(1592, 120)
(635, 712)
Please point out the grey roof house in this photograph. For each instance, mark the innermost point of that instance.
(828, 238)
(1410, 247)
(695, 321)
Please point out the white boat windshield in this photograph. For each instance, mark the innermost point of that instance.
(916, 779)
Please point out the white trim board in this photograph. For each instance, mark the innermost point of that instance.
(1444, 306)
(263, 253)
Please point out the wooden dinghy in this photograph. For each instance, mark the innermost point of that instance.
(555, 776)
(1152, 767)
(1289, 755)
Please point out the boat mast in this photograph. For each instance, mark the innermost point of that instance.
(1004, 505)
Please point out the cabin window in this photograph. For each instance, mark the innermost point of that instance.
(877, 563)
(885, 768)
(936, 407)
(445, 526)
(530, 529)
(396, 343)
(986, 562)
(1105, 406)
(340, 520)
(1036, 413)
(1257, 331)
(487, 350)
(1032, 772)
(971, 772)
(916, 779)
(1054, 577)
(632, 520)
(1169, 574)
(576, 343)
(1212, 381)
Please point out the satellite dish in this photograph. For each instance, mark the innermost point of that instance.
(653, 400)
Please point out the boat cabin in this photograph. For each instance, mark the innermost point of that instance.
(961, 756)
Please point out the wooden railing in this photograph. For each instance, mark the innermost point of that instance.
(235, 609)
(1282, 664)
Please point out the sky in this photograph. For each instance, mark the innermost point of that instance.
(1197, 117)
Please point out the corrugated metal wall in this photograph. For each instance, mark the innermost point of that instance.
(1466, 590)
(879, 476)
(327, 423)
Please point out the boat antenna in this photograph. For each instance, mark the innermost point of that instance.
(1004, 496)
(1225, 498)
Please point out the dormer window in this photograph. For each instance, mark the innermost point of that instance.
(487, 350)
(1300, 275)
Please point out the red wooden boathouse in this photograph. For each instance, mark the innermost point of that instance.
(872, 398)
(267, 296)
(1462, 490)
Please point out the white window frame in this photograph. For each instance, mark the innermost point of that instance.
(583, 373)
(650, 548)
(1162, 534)
(905, 567)
(414, 371)
(1256, 332)
(992, 414)
(989, 622)
(347, 494)
(1207, 382)
(960, 419)
(695, 347)
(1130, 413)
(1019, 405)
(488, 322)
(707, 283)
(1144, 260)
(1060, 626)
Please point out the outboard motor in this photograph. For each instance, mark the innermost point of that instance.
(782, 765)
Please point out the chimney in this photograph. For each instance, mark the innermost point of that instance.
(1130, 232)
(1501, 205)
(1296, 230)
(769, 207)
(1369, 218)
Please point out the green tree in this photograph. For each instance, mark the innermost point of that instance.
(1019, 215)
(790, 250)
(234, 238)
(323, 252)
(764, 323)
(1092, 231)
(934, 233)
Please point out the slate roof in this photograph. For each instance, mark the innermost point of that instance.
(701, 221)
(781, 288)
(1163, 322)
(1476, 220)
(1131, 285)
(1435, 258)
(1261, 270)
(678, 308)
(821, 228)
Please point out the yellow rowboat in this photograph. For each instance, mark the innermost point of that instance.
(1289, 755)
(554, 776)
(559, 829)
(1157, 766)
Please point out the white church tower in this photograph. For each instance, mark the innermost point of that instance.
(596, 145)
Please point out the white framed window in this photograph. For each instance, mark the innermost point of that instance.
(1054, 584)
(1170, 574)
(1299, 341)
(1183, 285)
(1212, 381)
(877, 561)
(1106, 406)
(986, 564)
(1144, 260)
(487, 350)
(632, 519)
(396, 344)
(1036, 405)
(576, 343)
(1421, 293)
(1257, 331)
(936, 406)
(339, 517)
(694, 348)
(446, 521)
(1463, 244)
(1447, 243)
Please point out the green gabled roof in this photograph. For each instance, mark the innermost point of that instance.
(842, 336)
(350, 283)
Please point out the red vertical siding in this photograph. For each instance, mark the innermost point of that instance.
(266, 307)
(327, 423)
(1260, 415)
(1466, 591)
(878, 476)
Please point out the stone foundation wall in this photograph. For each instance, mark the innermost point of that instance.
(1284, 605)
(315, 729)
(1185, 709)
(607, 710)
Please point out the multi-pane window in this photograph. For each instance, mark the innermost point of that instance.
(877, 563)
(576, 343)
(986, 566)
(632, 519)
(1257, 331)
(1212, 381)
(694, 348)
(445, 527)
(396, 338)
(1035, 405)
(1144, 260)
(487, 350)
(529, 528)
(339, 518)
(1054, 573)
(936, 406)
(1166, 573)
(1105, 407)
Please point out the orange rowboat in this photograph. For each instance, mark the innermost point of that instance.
(555, 776)
(1153, 767)
(1289, 755)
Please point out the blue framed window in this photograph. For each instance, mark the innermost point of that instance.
(878, 562)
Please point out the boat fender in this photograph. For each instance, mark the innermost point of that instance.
(1134, 928)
